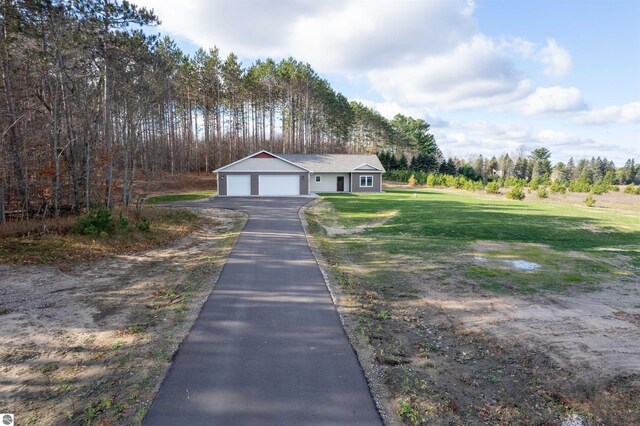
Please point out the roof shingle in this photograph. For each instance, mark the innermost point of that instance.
(333, 163)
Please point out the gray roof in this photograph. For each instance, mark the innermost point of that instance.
(333, 163)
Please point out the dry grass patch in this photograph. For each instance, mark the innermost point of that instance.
(62, 244)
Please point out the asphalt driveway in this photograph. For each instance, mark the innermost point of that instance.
(268, 347)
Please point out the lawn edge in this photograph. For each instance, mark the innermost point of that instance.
(366, 356)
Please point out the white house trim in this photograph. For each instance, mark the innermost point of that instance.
(221, 169)
(368, 170)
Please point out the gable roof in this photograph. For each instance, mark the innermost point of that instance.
(335, 163)
(256, 155)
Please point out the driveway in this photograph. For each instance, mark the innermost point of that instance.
(268, 347)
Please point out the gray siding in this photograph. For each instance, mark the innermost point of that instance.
(222, 181)
(377, 182)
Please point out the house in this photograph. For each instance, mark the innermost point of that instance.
(267, 174)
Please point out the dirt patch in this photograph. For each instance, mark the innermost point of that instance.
(596, 332)
(92, 343)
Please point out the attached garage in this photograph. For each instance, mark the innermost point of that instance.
(263, 174)
(292, 175)
(279, 185)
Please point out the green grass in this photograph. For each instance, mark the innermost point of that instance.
(433, 234)
(189, 196)
(464, 217)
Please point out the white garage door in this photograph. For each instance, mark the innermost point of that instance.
(279, 184)
(238, 185)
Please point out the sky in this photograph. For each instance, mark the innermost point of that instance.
(490, 76)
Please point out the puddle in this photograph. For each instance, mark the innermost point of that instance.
(522, 264)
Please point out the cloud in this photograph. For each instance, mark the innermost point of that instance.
(390, 109)
(363, 35)
(334, 36)
(518, 45)
(555, 99)
(471, 138)
(476, 73)
(466, 139)
(556, 59)
(552, 138)
(616, 114)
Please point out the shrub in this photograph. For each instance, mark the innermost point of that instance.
(98, 222)
(516, 193)
(580, 185)
(450, 181)
(542, 192)
(630, 189)
(144, 225)
(557, 187)
(590, 201)
(412, 180)
(123, 223)
(599, 188)
(493, 187)
(431, 180)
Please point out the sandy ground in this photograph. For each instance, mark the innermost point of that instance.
(597, 332)
(94, 342)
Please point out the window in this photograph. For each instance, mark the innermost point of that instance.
(317, 178)
(366, 181)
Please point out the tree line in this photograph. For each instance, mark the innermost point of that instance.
(90, 105)
(535, 168)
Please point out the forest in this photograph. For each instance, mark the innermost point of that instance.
(93, 106)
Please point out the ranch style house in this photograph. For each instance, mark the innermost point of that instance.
(267, 174)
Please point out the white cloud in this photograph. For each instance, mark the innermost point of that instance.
(476, 73)
(333, 35)
(552, 138)
(556, 59)
(554, 100)
(470, 138)
(390, 109)
(518, 45)
(616, 114)
(467, 139)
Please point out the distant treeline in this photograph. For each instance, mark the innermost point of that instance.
(535, 169)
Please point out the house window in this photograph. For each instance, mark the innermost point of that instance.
(366, 181)
(317, 178)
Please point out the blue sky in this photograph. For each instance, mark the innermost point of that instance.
(490, 76)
